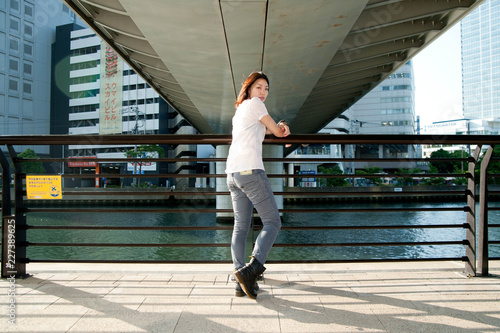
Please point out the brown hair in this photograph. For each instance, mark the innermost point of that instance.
(247, 84)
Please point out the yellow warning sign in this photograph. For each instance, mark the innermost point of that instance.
(44, 187)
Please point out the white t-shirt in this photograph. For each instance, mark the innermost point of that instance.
(245, 152)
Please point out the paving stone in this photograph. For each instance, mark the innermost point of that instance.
(358, 297)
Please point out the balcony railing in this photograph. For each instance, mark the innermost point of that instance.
(476, 242)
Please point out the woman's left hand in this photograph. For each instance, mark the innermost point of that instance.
(284, 127)
(286, 131)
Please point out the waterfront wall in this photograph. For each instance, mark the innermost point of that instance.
(167, 196)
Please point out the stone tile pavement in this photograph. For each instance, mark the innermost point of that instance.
(361, 297)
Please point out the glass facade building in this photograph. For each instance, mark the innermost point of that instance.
(480, 32)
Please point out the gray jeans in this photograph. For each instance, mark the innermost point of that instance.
(247, 191)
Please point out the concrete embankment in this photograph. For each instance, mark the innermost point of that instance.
(153, 196)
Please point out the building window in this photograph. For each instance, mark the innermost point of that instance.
(14, 24)
(86, 50)
(314, 150)
(14, 5)
(395, 111)
(395, 99)
(28, 49)
(400, 76)
(14, 65)
(27, 88)
(398, 87)
(85, 93)
(28, 10)
(28, 30)
(396, 123)
(85, 79)
(14, 44)
(28, 68)
(84, 65)
(13, 84)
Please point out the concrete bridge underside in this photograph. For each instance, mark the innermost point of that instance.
(321, 55)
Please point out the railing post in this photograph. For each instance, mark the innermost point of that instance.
(6, 204)
(6, 211)
(482, 246)
(20, 218)
(470, 249)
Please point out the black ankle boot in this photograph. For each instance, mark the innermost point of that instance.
(247, 277)
(238, 292)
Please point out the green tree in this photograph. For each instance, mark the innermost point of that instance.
(331, 181)
(142, 151)
(449, 166)
(407, 181)
(31, 167)
(371, 170)
(434, 180)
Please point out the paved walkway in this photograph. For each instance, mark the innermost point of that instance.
(379, 297)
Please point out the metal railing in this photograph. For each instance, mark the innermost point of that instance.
(15, 240)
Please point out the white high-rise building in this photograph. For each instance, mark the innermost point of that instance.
(387, 109)
(481, 62)
(95, 92)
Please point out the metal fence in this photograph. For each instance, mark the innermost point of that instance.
(475, 193)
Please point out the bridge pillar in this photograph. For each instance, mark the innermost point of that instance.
(224, 201)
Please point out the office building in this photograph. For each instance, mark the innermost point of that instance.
(389, 108)
(95, 92)
(480, 32)
(27, 30)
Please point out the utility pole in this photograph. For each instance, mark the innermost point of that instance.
(135, 130)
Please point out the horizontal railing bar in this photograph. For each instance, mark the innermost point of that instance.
(463, 242)
(428, 226)
(208, 175)
(129, 244)
(494, 242)
(347, 210)
(225, 139)
(371, 227)
(82, 261)
(222, 159)
(215, 210)
(65, 227)
(126, 210)
(167, 192)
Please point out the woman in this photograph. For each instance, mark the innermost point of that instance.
(248, 183)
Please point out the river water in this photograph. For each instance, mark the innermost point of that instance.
(151, 219)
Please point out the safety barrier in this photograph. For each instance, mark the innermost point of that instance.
(15, 240)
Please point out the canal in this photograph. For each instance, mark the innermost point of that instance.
(153, 219)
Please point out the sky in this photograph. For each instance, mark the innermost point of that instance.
(438, 79)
